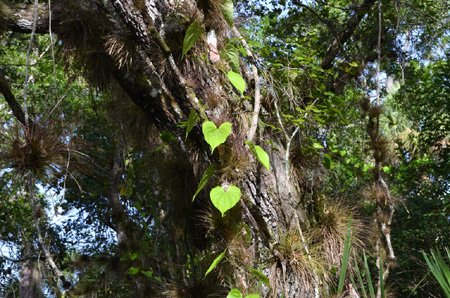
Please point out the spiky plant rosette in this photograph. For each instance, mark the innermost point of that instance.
(330, 231)
(40, 149)
(297, 256)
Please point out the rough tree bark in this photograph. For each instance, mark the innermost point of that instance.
(145, 61)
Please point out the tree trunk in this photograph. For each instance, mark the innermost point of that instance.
(137, 45)
(29, 275)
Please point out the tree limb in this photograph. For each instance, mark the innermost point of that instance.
(11, 100)
(345, 34)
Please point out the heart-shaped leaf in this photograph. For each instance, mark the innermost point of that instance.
(215, 136)
(260, 154)
(237, 81)
(215, 262)
(193, 32)
(227, 11)
(234, 293)
(205, 178)
(224, 201)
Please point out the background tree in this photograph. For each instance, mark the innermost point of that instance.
(127, 165)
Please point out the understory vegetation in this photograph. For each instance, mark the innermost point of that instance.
(224, 148)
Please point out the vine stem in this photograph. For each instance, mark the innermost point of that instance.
(257, 107)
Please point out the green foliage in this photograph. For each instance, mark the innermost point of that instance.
(345, 258)
(215, 262)
(193, 118)
(224, 201)
(215, 136)
(204, 180)
(440, 269)
(227, 8)
(193, 32)
(232, 56)
(237, 81)
(235, 293)
(260, 154)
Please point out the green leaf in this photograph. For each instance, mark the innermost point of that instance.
(317, 146)
(260, 154)
(193, 32)
(345, 257)
(232, 56)
(227, 11)
(148, 273)
(193, 118)
(167, 137)
(252, 296)
(215, 136)
(133, 270)
(261, 276)
(353, 64)
(134, 256)
(205, 178)
(235, 293)
(237, 81)
(215, 262)
(224, 201)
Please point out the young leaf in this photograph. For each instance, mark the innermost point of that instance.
(193, 32)
(224, 201)
(205, 178)
(215, 136)
(232, 56)
(193, 118)
(260, 154)
(227, 11)
(237, 81)
(234, 293)
(252, 296)
(215, 262)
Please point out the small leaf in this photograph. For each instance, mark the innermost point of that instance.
(224, 201)
(317, 146)
(133, 270)
(193, 118)
(232, 56)
(215, 262)
(252, 296)
(134, 256)
(261, 276)
(353, 64)
(148, 273)
(237, 81)
(227, 11)
(193, 32)
(260, 154)
(235, 293)
(167, 137)
(204, 180)
(215, 136)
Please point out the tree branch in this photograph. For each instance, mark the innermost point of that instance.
(19, 17)
(11, 100)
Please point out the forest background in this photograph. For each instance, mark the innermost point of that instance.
(211, 148)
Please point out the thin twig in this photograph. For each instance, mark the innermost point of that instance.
(33, 31)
